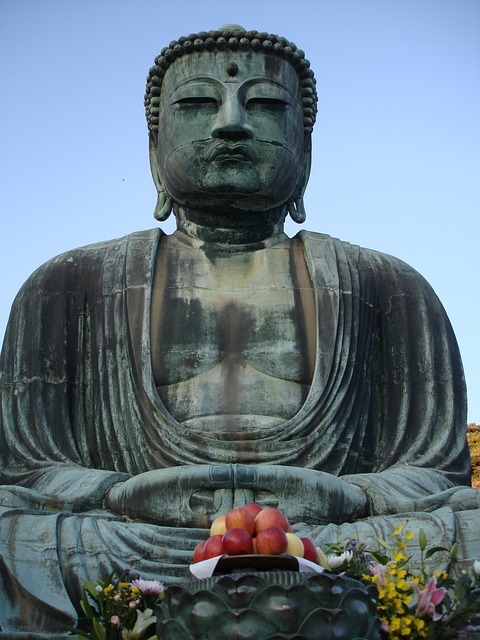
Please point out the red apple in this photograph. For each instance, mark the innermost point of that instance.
(213, 547)
(310, 551)
(272, 540)
(253, 507)
(237, 541)
(270, 517)
(199, 553)
(240, 519)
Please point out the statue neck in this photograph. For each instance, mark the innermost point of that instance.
(232, 230)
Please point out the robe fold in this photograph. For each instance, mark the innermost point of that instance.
(80, 411)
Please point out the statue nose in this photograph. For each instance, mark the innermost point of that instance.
(231, 121)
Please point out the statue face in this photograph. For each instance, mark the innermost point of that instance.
(230, 137)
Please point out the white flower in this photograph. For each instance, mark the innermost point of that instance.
(476, 567)
(148, 587)
(98, 588)
(337, 561)
(144, 620)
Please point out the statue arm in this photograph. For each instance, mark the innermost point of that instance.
(38, 381)
(398, 490)
(416, 440)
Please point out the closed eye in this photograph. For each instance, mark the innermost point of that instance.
(196, 100)
(273, 102)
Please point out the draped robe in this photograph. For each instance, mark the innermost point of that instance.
(80, 412)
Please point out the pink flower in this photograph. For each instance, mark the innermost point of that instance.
(428, 598)
(380, 570)
(148, 587)
(115, 620)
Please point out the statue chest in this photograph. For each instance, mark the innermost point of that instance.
(231, 335)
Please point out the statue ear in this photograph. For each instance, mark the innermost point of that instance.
(295, 205)
(163, 208)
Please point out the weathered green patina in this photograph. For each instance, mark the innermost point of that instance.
(268, 606)
(151, 382)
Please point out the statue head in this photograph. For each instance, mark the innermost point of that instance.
(230, 114)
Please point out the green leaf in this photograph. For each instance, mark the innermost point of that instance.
(99, 630)
(78, 632)
(383, 544)
(433, 550)
(454, 551)
(91, 589)
(88, 610)
(380, 557)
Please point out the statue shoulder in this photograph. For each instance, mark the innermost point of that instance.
(389, 275)
(77, 263)
(363, 257)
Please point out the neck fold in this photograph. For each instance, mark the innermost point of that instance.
(249, 230)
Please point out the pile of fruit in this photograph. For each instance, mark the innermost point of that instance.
(253, 529)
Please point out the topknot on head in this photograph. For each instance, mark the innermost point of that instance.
(232, 37)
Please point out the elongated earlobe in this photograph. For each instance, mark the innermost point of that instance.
(296, 209)
(296, 206)
(163, 208)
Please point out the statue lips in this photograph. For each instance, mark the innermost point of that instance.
(238, 151)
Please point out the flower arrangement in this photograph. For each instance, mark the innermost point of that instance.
(121, 608)
(412, 603)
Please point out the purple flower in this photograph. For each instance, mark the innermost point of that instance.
(148, 587)
(428, 598)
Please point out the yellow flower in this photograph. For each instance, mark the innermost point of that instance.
(440, 574)
(419, 623)
(400, 557)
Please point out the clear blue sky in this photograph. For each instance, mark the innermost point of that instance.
(396, 145)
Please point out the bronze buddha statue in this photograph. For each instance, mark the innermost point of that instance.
(151, 382)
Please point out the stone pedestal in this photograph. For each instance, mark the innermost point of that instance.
(269, 605)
